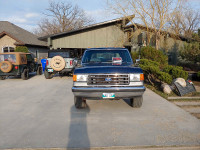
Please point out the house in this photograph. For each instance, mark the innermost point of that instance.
(12, 36)
(114, 33)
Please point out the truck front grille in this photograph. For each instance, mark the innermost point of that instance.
(108, 79)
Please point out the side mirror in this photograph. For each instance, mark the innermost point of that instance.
(75, 62)
(137, 62)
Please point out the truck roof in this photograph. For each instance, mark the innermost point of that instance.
(13, 53)
(107, 48)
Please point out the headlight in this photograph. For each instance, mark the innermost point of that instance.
(80, 77)
(136, 77)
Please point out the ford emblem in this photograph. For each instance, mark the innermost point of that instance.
(108, 79)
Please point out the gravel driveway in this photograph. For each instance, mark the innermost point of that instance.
(39, 113)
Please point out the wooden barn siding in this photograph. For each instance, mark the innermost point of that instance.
(110, 36)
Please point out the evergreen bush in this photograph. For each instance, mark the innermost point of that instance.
(134, 56)
(175, 71)
(21, 49)
(152, 72)
(151, 53)
(165, 77)
(198, 74)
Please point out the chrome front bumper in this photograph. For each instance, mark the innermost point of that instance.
(120, 92)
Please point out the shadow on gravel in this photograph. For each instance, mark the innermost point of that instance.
(127, 101)
(59, 75)
(78, 133)
(31, 75)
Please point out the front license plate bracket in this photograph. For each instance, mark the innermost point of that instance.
(108, 95)
(50, 70)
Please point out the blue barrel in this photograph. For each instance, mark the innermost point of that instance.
(43, 61)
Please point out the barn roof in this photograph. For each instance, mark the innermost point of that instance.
(118, 20)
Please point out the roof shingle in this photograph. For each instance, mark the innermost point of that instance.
(20, 34)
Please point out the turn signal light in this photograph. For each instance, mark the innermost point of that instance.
(141, 77)
(71, 62)
(47, 62)
(16, 67)
(74, 77)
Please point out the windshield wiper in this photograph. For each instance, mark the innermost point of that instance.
(94, 62)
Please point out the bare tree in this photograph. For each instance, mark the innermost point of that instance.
(61, 17)
(185, 21)
(153, 14)
(191, 22)
(176, 22)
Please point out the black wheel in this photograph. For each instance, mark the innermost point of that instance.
(2, 77)
(136, 102)
(47, 74)
(78, 102)
(39, 70)
(25, 74)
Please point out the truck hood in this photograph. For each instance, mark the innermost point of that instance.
(107, 70)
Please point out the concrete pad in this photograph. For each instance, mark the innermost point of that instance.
(39, 113)
(123, 148)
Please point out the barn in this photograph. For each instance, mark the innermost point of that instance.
(114, 33)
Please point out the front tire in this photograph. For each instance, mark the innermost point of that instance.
(136, 102)
(78, 102)
(25, 74)
(2, 77)
(39, 70)
(47, 74)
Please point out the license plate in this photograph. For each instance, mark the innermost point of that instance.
(50, 70)
(108, 95)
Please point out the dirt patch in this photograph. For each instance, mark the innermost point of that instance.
(196, 115)
(197, 85)
(190, 106)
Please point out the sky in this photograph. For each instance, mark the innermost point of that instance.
(27, 13)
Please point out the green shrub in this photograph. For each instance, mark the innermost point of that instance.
(21, 49)
(191, 52)
(165, 77)
(156, 68)
(134, 56)
(198, 74)
(151, 53)
(175, 71)
(152, 72)
(169, 68)
(149, 62)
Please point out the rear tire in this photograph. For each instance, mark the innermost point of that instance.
(78, 102)
(136, 102)
(2, 77)
(25, 74)
(47, 74)
(39, 70)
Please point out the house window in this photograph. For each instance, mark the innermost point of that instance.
(8, 49)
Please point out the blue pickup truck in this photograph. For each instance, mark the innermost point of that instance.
(107, 73)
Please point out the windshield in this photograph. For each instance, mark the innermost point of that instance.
(8, 57)
(107, 56)
(63, 54)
